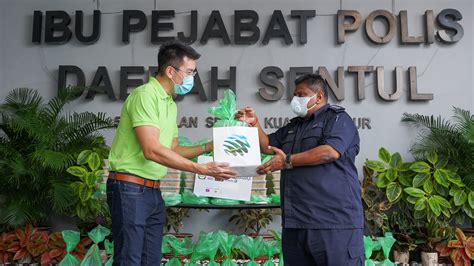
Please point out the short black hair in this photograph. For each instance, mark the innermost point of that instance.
(172, 53)
(314, 81)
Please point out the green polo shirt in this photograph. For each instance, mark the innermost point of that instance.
(147, 105)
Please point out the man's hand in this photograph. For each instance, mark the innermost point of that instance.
(218, 170)
(247, 115)
(275, 164)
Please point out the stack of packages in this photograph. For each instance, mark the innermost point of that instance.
(171, 182)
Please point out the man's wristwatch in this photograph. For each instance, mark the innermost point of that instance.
(288, 164)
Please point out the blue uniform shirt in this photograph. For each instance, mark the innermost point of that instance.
(325, 196)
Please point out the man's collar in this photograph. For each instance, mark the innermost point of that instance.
(160, 90)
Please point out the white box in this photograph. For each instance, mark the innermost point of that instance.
(239, 188)
(238, 146)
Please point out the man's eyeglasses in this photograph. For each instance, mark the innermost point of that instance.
(189, 73)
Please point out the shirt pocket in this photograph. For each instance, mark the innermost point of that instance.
(287, 143)
(311, 137)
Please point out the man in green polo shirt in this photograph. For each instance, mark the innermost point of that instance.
(145, 145)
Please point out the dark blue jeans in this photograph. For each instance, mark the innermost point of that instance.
(138, 215)
(331, 247)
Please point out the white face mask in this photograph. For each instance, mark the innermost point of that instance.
(299, 105)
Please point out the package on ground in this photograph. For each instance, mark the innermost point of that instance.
(235, 188)
(239, 146)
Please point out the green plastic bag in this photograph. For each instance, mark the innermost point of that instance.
(178, 246)
(277, 236)
(97, 235)
(71, 238)
(165, 246)
(252, 247)
(275, 198)
(259, 200)
(222, 202)
(368, 249)
(191, 198)
(109, 250)
(225, 111)
(265, 157)
(226, 243)
(270, 248)
(171, 199)
(387, 243)
(207, 246)
(183, 141)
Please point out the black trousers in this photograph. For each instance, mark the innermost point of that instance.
(332, 247)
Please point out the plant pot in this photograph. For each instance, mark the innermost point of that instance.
(401, 256)
(266, 237)
(429, 258)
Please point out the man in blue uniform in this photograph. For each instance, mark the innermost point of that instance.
(321, 202)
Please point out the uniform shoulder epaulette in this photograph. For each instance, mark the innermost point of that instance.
(337, 108)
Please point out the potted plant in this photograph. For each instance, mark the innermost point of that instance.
(29, 244)
(375, 205)
(253, 221)
(39, 142)
(404, 229)
(174, 222)
(432, 234)
(453, 140)
(57, 249)
(460, 249)
(90, 199)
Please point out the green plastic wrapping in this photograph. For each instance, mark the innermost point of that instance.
(275, 198)
(270, 248)
(265, 157)
(277, 236)
(183, 141)
(386, 262)
(191, 198)
(387, 243)
(226, 243)
(221, 202)
(165, 246)
(174, 262)
(207, 245)
(97, 235)
(252, 247)
(100, 193)
(259, 200)
(171, 243)
(109, 250)
(71, 238)
(225, 111)
(171, 199)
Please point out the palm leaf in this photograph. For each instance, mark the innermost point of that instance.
(23, 98)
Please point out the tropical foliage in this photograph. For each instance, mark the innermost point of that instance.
(38, 142)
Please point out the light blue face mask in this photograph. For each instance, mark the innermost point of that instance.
(186, 86)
